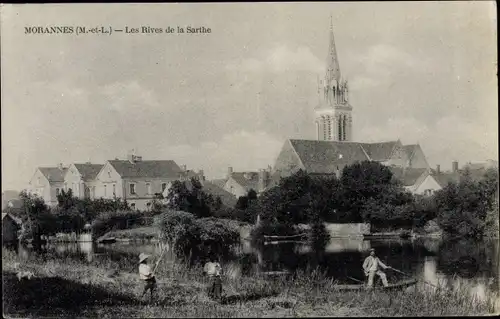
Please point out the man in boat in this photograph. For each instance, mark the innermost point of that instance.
(146, 274)
(213, 270)
(372, 266)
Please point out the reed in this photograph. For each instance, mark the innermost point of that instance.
(111, 289)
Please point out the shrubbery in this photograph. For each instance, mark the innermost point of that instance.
(186, 234)
(463, 208)
(113, 220)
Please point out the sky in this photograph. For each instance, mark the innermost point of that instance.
(422, 72)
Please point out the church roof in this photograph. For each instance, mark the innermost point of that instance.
(410, 149)
(379, 151)
(325, 157)
(333, 68)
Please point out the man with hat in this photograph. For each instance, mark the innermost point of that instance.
(146, 274)
(213, 269)
(372, 266)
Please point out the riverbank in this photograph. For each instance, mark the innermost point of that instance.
(71, 288)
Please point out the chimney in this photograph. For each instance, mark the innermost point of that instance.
(454, 166)
(184, 167)
(263, 179)
(201, 175)
(438, 169)
(229, 171)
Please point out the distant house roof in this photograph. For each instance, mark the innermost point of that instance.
(408, 176)
(54, 174)
(444, 178)
(227, 198)
(14, 218)
(150, 169)
(379, 151)
(219, 182)
(325, 157)
(248, 180)
(88, 171)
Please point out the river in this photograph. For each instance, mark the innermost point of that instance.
(473, 264)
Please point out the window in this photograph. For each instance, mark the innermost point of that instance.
(114, 189)
(38, 181)
(93, 192)
(132, 205)
(57, 191)
(148, 187)
(109, 174)
(132, 189)
(105, 190)
(163, 187)
(148, 205)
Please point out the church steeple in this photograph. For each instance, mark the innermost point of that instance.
(332, 62)
(333, 114)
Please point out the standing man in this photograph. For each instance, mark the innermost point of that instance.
(372, 266)
(213, 270)
(146, 274)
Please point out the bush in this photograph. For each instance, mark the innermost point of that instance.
(107, 221)
(201, 236)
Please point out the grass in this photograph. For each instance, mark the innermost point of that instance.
(139, 233)
(71, 288)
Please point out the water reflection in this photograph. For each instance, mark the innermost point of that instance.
(453, 264)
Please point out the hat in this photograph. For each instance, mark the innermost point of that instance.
(372, 249)
(143, 257)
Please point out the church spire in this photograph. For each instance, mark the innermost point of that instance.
(333, 69)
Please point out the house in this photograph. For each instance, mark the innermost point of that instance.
(135, 180)
(10, 198)
(330, 157)
(475, 171)
(47, 182)
(81, 179)
(416, 180)
(10, 226)
(240, 183)
(208, 187)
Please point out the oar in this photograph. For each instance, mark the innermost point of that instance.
(397, 270)
(158, 262)
(356, 280)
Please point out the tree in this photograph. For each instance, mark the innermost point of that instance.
(463, 207)
(36, 217)
(369, 191)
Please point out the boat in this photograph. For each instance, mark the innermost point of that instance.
(108, 240)
(275, 273)
(269, 237)
(396, 286)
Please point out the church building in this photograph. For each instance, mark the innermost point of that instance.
(334, 147)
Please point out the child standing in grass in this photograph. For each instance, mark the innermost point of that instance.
(213, 270)
(146, 274)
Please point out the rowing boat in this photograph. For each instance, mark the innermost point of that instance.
(396, 286)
